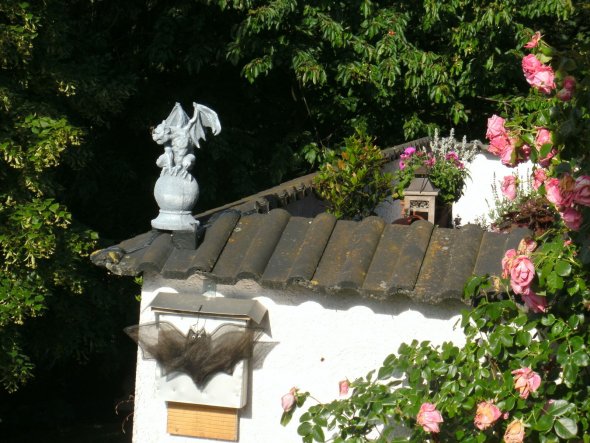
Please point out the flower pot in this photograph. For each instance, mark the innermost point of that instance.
(443, 215)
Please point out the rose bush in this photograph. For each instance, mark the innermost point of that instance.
(523, 373)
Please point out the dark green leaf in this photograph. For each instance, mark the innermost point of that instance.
(544, 423)
(563, 268)
(566, 428)
(558, 408)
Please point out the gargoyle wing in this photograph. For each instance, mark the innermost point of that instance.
(203, 117)
(177, 117)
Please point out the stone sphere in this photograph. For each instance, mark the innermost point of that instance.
(174, 193)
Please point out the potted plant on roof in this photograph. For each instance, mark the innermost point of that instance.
(352, 181)
(443, 162)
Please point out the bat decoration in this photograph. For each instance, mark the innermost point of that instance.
(198, 354)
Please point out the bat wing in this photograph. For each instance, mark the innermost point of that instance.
(162, 342)
(226, 346)
(177, 117)
(205, 118)
(200, 355)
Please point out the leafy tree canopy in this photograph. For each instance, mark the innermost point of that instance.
(82, 82)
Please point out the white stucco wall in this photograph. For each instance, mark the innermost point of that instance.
(477, 199)
(316, 341)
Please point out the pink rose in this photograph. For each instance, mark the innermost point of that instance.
(507, 155)
(572, 218)
(486, 415)
(508, 187)
(288, 400)
(514, 432)
(582, 190)
(499, 144)
(534, 41)
(343, 387)
(531, 64)
(534, 302)
(539, 176)
(559, 192)
(569, 82)
(543, 80)
(544, 137)
(526, 246)
(429, 418)
(522, 273)
(537, 74)
(525, 151)
(564, 94)
(507, 262)
(526, 381)
(495, 127)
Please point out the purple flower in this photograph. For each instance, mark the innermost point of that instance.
(409, 151)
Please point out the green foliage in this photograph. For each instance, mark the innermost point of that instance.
(500, 337)
(532, 320)
(82, 82)
(43, 248)
(352, 182)
(406, 67)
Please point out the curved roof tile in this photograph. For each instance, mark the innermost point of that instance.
(422, 261)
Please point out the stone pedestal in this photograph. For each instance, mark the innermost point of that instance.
(176, 198)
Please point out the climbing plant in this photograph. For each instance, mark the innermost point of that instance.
(523, 373)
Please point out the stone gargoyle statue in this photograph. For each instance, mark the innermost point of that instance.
(179, 135)
(177, 191)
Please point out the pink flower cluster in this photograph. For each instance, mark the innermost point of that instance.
(518, 266)
(486, 415)
(430, 160)
(565, 192)
(567, 195)
(538, 75)
(510, 147)
(408, 152)
(505, 145)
